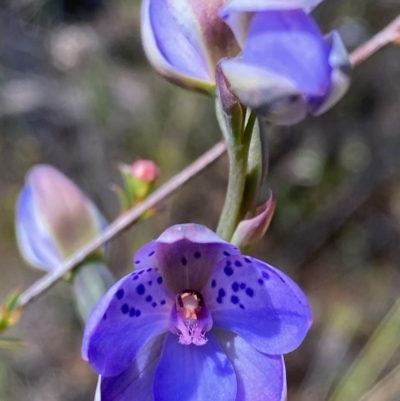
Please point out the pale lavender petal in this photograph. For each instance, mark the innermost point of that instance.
(186, 256)
(258, 302)
(341, 72)
(133, 311)
(259, 376)
(238, 13)
(193, 373)
(262, 5)
(273, 96)
(177, 64)
(290, 44)
(32, 236)
(177, 37)
(135, 383)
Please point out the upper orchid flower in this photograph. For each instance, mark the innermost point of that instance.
(54, 218)
(287, 68)
(196, 318)
(184, 40)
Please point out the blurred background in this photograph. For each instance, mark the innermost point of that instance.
(77, 92)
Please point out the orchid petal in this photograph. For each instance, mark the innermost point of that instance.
(32, 235)
(181, 64)
(341, 72)
(186, 255)
(259, 303)
(259, 376)
(136, 382)
(272, 95)
(192, 373)
(290, 44)
(238, 13)
(133, 311)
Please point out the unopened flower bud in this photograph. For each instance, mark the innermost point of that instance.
(54, 218)
(145, 170)
(250, 231)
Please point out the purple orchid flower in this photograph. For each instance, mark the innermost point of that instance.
(197, 318)
(286, 68)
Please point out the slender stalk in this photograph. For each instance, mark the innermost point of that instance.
(122, 222)
(238, 154)
(390, 34)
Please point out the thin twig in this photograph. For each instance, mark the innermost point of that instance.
(123, 222)
(390, 34)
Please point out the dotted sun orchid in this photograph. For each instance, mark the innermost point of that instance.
(286, 68)
(195, 319)
(54, 218)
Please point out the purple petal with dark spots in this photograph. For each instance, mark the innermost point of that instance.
(185, 255)
(273, 317)
(111, 344)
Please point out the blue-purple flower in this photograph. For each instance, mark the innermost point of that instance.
(280, 65)
(54, 218)
(195, 319)
(286, 68)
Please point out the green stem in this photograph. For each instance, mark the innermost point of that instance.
(238, 152)
(381, 346)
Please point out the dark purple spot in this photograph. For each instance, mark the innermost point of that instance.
(184, 261)
(151, 253)
(260, 281)
(248, 260)
(140, 289)
(228, 271)
(234, 299)
(241, 306)
(213, 283)
(105, 316)
(228, 263)
(242, 286)
(197, 255)
(219, 300)
(149, 298)
(159, 280)
(227, 253)
(137, 261)
(150, 282)
(162, 302)
(132, 312)
(265, 275)
(137, 313)
(125, 309)
(235, 286)
(120, 293)
(249, 292)
(221, 292)
(141, 272)
(154, 304)
(238, 264)
(149, 269)
(136, 277)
